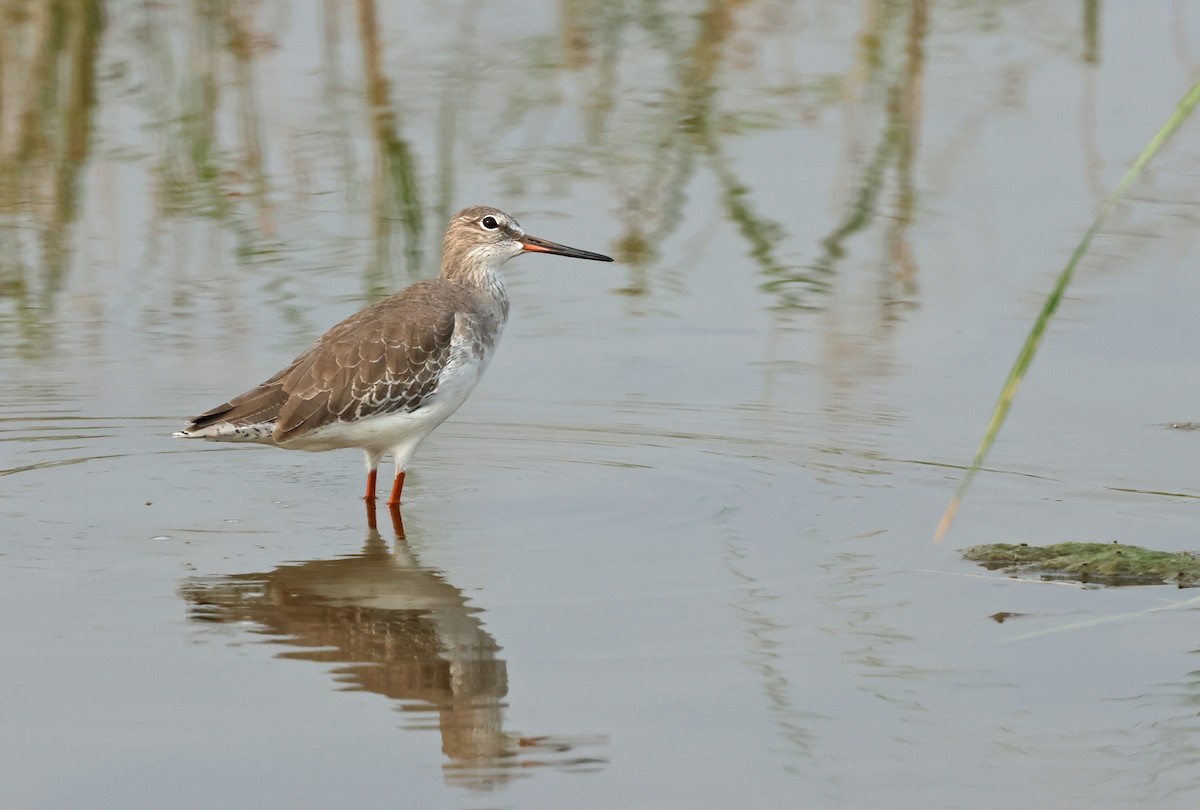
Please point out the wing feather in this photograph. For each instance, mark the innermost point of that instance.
(386, 358)
(383, 359)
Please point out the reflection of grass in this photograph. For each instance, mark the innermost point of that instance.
(762, 234)
(1182, 111)
(896, 152)
(761, 634)
(48, 57)
(197, 176)
(862, 212)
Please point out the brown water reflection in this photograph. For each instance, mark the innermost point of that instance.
(399, 629)
(652, 138)
(48, 54)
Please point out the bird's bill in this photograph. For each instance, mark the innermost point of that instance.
(533, 243)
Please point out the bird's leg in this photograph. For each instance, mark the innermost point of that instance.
(371, 515)
(370, 496)
(372, 460)
(396, 487)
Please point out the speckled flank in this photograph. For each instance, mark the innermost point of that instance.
(229, 432)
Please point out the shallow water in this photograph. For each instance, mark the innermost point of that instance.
(676, 549)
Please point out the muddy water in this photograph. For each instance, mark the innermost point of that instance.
(675, 551)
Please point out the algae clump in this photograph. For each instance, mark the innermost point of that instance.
(1104, 563)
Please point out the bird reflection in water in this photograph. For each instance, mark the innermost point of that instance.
(401, 630)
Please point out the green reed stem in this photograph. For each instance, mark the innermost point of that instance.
(1000, 412)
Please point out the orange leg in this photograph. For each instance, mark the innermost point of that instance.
(370, 496)
(396, 487)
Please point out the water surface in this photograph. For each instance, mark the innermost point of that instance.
(676, 549)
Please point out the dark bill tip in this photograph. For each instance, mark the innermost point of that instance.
(537, 245)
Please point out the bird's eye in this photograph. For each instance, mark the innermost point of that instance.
(490, 223)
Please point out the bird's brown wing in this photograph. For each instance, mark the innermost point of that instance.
(257, 406)
(384, 359)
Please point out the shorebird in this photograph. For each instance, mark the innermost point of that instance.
(384, 378)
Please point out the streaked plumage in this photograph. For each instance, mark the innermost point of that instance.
(385, 377)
